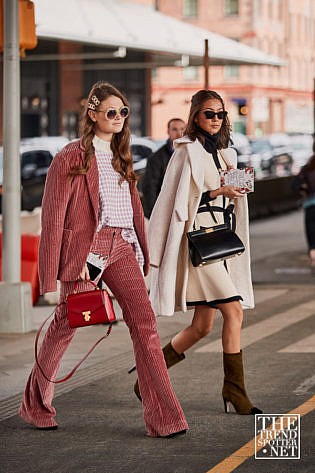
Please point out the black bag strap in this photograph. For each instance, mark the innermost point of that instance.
(210, 209)
(228, 214)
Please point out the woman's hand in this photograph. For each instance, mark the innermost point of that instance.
(231, 192)
(84, 275)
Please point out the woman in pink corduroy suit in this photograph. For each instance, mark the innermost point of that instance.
(91, 205)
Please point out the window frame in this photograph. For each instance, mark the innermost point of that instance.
(190, 8)
(229, 8)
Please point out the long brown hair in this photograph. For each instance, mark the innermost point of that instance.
(120, 143)
(192, 129)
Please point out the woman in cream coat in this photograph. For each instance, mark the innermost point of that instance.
(192, 182)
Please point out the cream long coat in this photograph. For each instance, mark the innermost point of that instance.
(173, 215)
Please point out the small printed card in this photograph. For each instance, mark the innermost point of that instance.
(243, 178)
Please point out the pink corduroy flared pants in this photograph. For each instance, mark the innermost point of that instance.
(162, 412)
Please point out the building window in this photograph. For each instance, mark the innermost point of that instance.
(231, 72)
(190, 73)
(190, 8)
(231, 7)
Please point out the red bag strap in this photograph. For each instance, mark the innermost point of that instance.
(76, 284)
(69, 375)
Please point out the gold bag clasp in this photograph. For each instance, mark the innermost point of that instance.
(87, 315)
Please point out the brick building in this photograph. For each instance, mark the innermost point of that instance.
(115, 41)
(261, 99)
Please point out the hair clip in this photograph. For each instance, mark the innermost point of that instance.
(95, 103)
(95, 100)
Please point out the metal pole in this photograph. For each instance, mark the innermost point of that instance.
(206, 64)
(11, 203)
(314, 116)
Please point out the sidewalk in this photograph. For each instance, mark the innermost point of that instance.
(101, 427)
(17, 351)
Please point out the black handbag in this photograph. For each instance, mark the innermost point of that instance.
(217, 243)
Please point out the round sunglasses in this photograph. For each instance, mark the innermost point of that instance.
(209, 114)
(111, 113)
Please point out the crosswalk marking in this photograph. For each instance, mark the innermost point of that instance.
(265, 294)
(307, 385)
(267, 327)
(306, 345)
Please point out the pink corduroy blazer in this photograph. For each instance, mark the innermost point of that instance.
(70, 219)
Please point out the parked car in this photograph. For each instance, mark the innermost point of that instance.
(36, 155)
(274, 153)
(141, 149)
(54, 143)
(242, 147)
(301, 148)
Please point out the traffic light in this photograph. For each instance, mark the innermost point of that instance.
(28, 38)
(243, 109)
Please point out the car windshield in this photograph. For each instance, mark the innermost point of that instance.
(301, 145)
(260, 146)
(140, 152)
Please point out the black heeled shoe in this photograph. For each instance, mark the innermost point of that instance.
(175, 434)
(132, 369)
(51, 427)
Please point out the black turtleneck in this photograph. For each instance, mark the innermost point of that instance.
(211, 146)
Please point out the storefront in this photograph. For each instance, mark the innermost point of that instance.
(82, 42)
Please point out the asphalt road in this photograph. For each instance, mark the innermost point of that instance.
(101, 428)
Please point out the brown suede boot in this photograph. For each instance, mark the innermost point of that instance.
(234, 391)
(171, 358)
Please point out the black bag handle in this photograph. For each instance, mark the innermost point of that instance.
(228, 214)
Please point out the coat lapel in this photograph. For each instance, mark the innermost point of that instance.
(196, 154)
(93, 186)
(229, 156)
(92, 181)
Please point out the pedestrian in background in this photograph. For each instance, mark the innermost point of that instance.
(304, 183)
(157, 164)
(191, 182)
(91, 204)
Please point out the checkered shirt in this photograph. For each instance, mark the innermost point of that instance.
(115, 208)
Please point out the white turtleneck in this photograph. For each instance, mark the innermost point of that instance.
(115, 207)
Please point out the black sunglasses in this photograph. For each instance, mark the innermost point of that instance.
(209, 114)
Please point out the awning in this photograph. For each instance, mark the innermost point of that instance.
(113, 23)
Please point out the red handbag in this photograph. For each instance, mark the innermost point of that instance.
(89, 307)
(83, 309)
